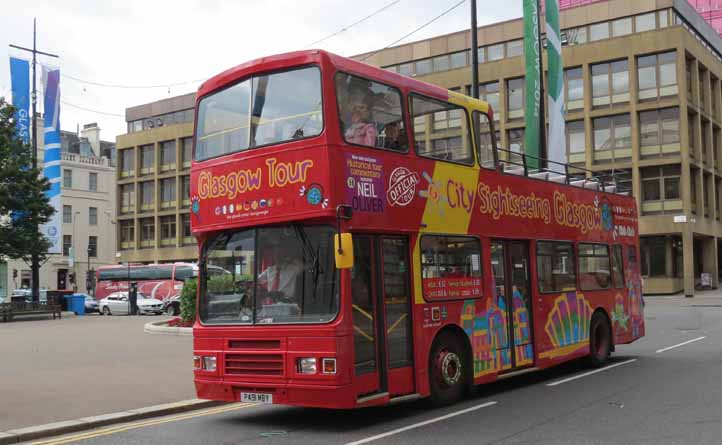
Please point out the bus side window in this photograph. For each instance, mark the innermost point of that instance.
(370, 113)
(441, 130)
(450, 267)
(555, 266)
(617, 267)
(484, 140)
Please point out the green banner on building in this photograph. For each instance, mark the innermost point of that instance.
(557, 146)
(533, 88)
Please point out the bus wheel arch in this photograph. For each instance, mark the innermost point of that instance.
(450, 368)
(601, 339)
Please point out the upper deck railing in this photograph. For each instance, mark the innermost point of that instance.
(562, 173)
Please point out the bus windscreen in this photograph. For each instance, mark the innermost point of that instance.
(262, 110)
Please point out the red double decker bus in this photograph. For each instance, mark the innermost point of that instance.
(161, 281)
(376, 246)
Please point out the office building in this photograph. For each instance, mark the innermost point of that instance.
(643, 96)
(153, 183)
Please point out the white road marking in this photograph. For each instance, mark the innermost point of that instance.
(426, 422)
(559, 382)
(681, 344)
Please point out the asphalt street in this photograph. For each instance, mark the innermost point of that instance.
(662, 389)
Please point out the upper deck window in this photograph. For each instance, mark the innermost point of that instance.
(370, 113)
(262, 110)
(441, 130)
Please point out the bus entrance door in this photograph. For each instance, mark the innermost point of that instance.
(381, 299)
(510, 263)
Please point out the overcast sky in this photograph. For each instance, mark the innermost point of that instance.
(149, 42)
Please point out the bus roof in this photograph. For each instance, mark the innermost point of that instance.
(323, 58)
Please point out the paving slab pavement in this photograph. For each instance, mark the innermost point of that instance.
(56, 370)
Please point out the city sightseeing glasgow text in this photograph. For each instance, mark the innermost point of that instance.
(501, 201)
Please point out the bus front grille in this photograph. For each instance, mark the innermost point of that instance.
(254, 364)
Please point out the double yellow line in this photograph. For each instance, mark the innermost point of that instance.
(141, 424)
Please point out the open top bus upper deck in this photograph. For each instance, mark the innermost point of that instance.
(278, 139)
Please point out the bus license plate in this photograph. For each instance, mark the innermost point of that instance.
(256, 397)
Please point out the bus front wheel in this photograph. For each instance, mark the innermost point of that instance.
(447, 370)
(600, 340)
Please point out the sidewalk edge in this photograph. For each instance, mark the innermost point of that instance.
(156, 327)
(89, 423)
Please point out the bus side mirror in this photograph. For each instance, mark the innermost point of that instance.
(344, 259)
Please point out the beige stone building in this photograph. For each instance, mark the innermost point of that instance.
(643, 96)
(87, 206)
(153, 183)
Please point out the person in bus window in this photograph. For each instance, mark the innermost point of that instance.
(361, 131)
(280, 279)
(392, 136)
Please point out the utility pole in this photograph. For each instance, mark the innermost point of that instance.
(542, 114)
(474, 53)
(35, 259)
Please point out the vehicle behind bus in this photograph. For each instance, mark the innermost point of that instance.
(160, 281)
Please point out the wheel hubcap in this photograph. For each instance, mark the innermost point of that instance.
(448, 368)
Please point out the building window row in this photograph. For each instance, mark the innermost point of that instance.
(91, 251)
(147, 229)
(147, 158)
(612, 136)
(176, 117)
(515, 48)
(68, 216)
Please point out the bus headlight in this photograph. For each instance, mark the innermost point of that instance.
(306, 365)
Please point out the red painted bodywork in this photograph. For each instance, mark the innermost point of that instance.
(395, 211)
(159, 289)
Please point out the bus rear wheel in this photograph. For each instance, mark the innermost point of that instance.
(600, 341)
(447, 370)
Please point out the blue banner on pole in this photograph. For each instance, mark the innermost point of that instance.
(51, 162)
(20, 79)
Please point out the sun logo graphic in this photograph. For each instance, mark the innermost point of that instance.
(433, 193)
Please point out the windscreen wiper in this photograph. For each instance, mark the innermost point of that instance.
(308, 249)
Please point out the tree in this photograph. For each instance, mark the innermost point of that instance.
(188, 300)
(24, 206)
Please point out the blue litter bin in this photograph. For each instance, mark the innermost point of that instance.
(76, 303)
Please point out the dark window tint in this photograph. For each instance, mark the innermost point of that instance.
(450, 267)
(617, 267)
(555, 266)
(594, 270)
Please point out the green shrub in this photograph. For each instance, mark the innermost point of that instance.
(188, 300)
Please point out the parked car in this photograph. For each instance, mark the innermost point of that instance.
(117, 304)
(91, 304)
(171, 306)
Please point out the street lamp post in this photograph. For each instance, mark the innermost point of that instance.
(72, 244)
(87, 272)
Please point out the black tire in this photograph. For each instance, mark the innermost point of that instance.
(106, 310)
(600, 340)
(448, 370)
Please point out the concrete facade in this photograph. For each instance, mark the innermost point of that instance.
(643, 95)
(153, 182)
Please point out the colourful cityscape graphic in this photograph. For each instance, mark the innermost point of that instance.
(523, 350)
(568, 324)
(488, 333)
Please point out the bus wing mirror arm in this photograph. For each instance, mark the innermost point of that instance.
(343, 242)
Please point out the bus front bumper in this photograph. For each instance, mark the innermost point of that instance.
(308, 395)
